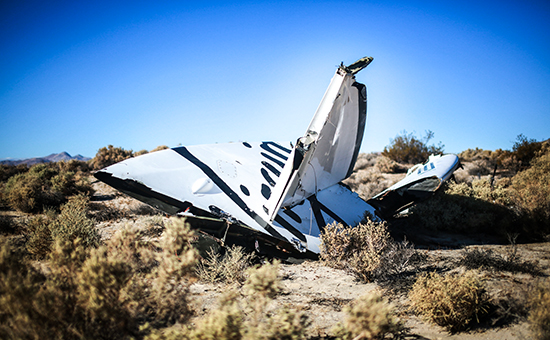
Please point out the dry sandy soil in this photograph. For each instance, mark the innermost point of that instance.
(323, 292)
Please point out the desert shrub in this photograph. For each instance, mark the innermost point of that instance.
(539, 317)
(262, 284)
(470, 155)
(365, 160)
(264, 280)
(31, 191)
(407, 148)
(488, 260)
(160, 147)
(20, 315)
(140, 152)
(161, 271)
(286, 324)
(531, 193)
(170, 280)
(102, 212)
(389, 166)
(43, 186)
(370, 182)
(525, 150)
(73, 165)
(481, 167)
(97, 293)
(452, 301)
(228, 268)
(467, 207)
(109, 155)
(128, 246)
(367, 250)
(369, 317)
(35, 306)
(40, 236)
(100, 283)
(223, 323)
(73, 223)
(247, 316)
(154, 225)
(482, 189)
(7, 171)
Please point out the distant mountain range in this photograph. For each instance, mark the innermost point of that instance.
(54, 157)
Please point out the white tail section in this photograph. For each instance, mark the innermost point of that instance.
(327, 152)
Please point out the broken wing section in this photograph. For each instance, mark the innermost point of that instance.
(228, 181)
(327, 152)
(421, 182)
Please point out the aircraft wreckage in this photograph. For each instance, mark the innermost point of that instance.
(277, 197)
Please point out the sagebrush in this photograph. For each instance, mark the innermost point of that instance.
(369, 317)
(531, 194)
(116, 290)
(248, 315)
(452, 301)
(72, 223)
(367, 250)
(44, 185)
(229, 267)
(110, 155)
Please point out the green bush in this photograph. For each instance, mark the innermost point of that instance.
(367, 250)
(407, 148)
(452, 301)
(44, 185)
(369, 317)
(109, 155)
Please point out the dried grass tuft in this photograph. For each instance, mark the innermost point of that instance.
(367, 250)
(452, 301)
(227, 268)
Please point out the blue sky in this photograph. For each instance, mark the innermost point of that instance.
(76, 76)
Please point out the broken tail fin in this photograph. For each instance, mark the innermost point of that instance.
(327, 152)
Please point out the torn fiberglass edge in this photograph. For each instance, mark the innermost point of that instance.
(273, 197)
(421, 182)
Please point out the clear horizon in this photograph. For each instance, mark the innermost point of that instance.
(80, 76)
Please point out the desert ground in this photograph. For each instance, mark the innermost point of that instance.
(323, 292)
